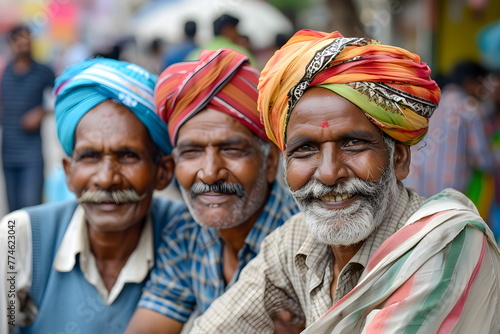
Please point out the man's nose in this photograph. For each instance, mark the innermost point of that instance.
(212, 168)
(107, 175)
(330, 169)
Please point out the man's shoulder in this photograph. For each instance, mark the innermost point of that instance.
(43, 67)
(165, 205)
(51, 208)
(292, 233)
(44, 71)
(44, 219)
(449, 209)
(165, 210)
(447, 199)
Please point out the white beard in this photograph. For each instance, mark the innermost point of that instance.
(355, 223)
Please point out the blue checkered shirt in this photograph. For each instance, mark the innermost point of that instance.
(188, 274)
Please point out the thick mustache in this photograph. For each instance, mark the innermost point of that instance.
(117, 196)
(315, 189)
(218, 187)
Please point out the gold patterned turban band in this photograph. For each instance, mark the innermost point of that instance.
(389, 84)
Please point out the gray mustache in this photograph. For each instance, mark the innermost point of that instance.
(218, 187)
(118, 196)
(315, 189)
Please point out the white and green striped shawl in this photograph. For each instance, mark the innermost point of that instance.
(440, 273)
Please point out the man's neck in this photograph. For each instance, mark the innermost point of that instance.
(234, 240)
(114, 245)
(112, 250)
(22, 64)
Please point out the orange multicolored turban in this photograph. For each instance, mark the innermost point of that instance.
(389, 84)
(221, 79)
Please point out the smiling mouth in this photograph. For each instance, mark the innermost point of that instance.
(335, 198)
(212, 199)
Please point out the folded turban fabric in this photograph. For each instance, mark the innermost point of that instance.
(86, 84)
(220, 79)
(389, 84)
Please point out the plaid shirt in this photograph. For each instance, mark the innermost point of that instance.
(455, 145)
(294, 272)
(188, 274)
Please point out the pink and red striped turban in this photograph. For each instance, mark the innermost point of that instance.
(220, 79)
(389, 84)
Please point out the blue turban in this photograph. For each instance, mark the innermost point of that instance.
(84, 85)
(488, 40)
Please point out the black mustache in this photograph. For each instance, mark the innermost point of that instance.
(218, 187)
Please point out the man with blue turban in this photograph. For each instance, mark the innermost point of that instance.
(80, 266)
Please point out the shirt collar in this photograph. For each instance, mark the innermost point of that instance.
(75, 242)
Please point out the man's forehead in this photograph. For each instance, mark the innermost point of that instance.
(215, 122)
(222, 141)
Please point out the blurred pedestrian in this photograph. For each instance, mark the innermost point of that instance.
(488, 39)
(456, 147)
(177, 52)
(24, 84)
(226, 35)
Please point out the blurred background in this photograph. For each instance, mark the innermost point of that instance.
(442, 32)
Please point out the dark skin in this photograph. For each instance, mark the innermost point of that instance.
(113, 151)
(212, 146)
(331, 140)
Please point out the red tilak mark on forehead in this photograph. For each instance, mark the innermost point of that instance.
(106, 115)
(324, 124)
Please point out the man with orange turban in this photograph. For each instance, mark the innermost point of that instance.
(226, 168)
(366, 254)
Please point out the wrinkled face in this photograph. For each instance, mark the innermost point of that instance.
(21, 43)
(113, 170)
(223, 174)
(340, 169)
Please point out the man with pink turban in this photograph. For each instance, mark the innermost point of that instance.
(366, 254)
(226, 168)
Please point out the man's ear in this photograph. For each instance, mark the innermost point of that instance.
(272, 163)
(402, 159)
(66, 162)
(165, 172)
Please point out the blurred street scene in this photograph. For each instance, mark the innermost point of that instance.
(443, 32)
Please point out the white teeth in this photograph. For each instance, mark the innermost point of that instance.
(213, 205)
(336, 198)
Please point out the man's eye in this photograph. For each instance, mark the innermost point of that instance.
(128, 156)
(355, 142)
(87, 156)
(189, 154)
(301, 151)
(234, 150)
(305, 148)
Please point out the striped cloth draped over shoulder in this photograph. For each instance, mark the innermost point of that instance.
(419, 279)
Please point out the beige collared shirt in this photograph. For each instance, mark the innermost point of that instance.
(75, 241)
(294, 272)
